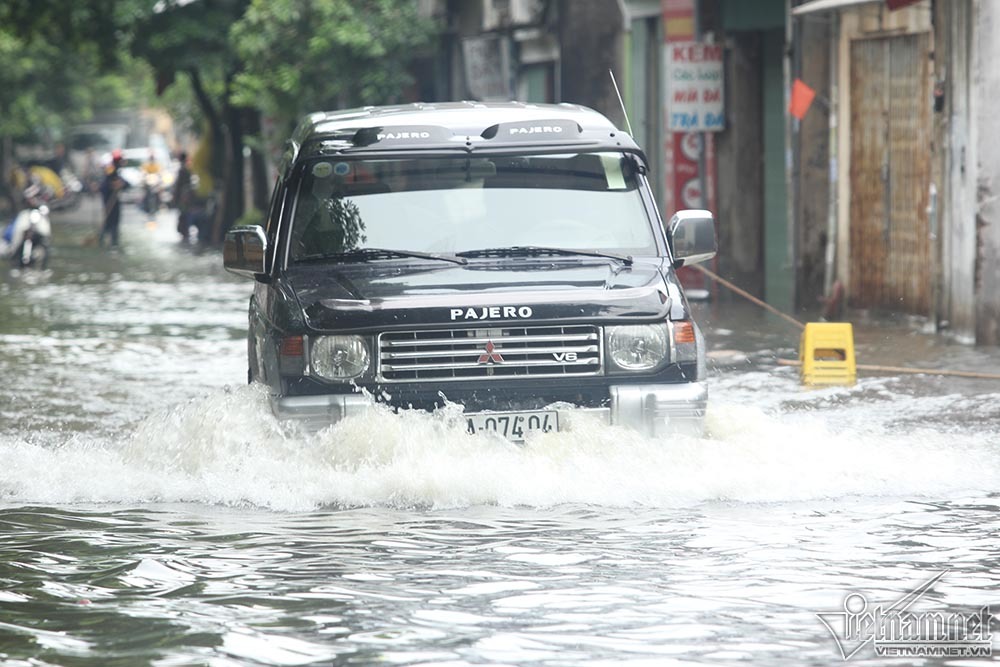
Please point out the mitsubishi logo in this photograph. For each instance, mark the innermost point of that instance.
(490, 356)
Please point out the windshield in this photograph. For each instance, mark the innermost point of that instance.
(447, 205)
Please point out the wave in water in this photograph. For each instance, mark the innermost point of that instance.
(228, 449)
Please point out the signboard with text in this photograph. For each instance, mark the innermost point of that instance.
(694, 87)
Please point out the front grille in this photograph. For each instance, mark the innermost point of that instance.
(485, 353)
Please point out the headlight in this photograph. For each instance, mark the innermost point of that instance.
(339, 357)
(639, 347)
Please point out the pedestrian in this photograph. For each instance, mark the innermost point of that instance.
(111, 188)
(184, 197)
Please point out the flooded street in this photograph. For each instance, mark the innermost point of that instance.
(152, 511)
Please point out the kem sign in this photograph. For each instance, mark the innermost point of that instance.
(694, 87)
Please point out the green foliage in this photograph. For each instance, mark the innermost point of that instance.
(90, 25)
(188, 43)
(223, 60)
(308, 55)
(185, 36)
(62, 61)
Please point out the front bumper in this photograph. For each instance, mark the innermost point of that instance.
(657, 409)
(650, 409)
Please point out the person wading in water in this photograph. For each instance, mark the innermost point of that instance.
(111, 189)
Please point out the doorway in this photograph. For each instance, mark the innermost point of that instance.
(890, 173)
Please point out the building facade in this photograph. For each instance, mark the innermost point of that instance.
(913, 160)
(885, 190)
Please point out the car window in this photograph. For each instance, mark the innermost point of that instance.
(576, 201)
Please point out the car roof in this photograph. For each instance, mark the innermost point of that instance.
(456, 126)
(468, 117)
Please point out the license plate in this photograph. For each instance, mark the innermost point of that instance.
(514, 425)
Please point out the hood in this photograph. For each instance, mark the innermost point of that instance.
(403, 294)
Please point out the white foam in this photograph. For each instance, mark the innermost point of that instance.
(228, 449)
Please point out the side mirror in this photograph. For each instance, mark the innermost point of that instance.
(245, 250)
(692, 236)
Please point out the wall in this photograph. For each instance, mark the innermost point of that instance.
(739, 151)
(779, 287)
(987, 95)
(813, 178)
(956, 175)
(751, 193)
(642, 86)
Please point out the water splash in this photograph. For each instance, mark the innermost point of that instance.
(228, 449)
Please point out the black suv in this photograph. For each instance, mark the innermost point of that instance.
(508, 257)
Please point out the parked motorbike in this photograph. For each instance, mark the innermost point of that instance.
(58, 191)
(25, 241)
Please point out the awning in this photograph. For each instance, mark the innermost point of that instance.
(828, 5)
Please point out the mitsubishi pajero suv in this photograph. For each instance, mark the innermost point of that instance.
(506, 257)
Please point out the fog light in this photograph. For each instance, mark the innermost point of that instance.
(638, 348)
(339, 357)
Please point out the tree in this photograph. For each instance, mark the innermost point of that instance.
(59, 63)
(280, 57)
(192, 38)
(308, 55)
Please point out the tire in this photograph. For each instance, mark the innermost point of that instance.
(38, 254)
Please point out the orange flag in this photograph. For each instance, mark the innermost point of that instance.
(802, 97)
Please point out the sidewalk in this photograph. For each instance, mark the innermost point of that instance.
(742, 335)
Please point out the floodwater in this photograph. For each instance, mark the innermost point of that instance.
(153, 513)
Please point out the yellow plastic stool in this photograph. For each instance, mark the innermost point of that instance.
(827, 354)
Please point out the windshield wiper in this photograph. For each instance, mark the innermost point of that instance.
(515, 250)
(365, 254)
